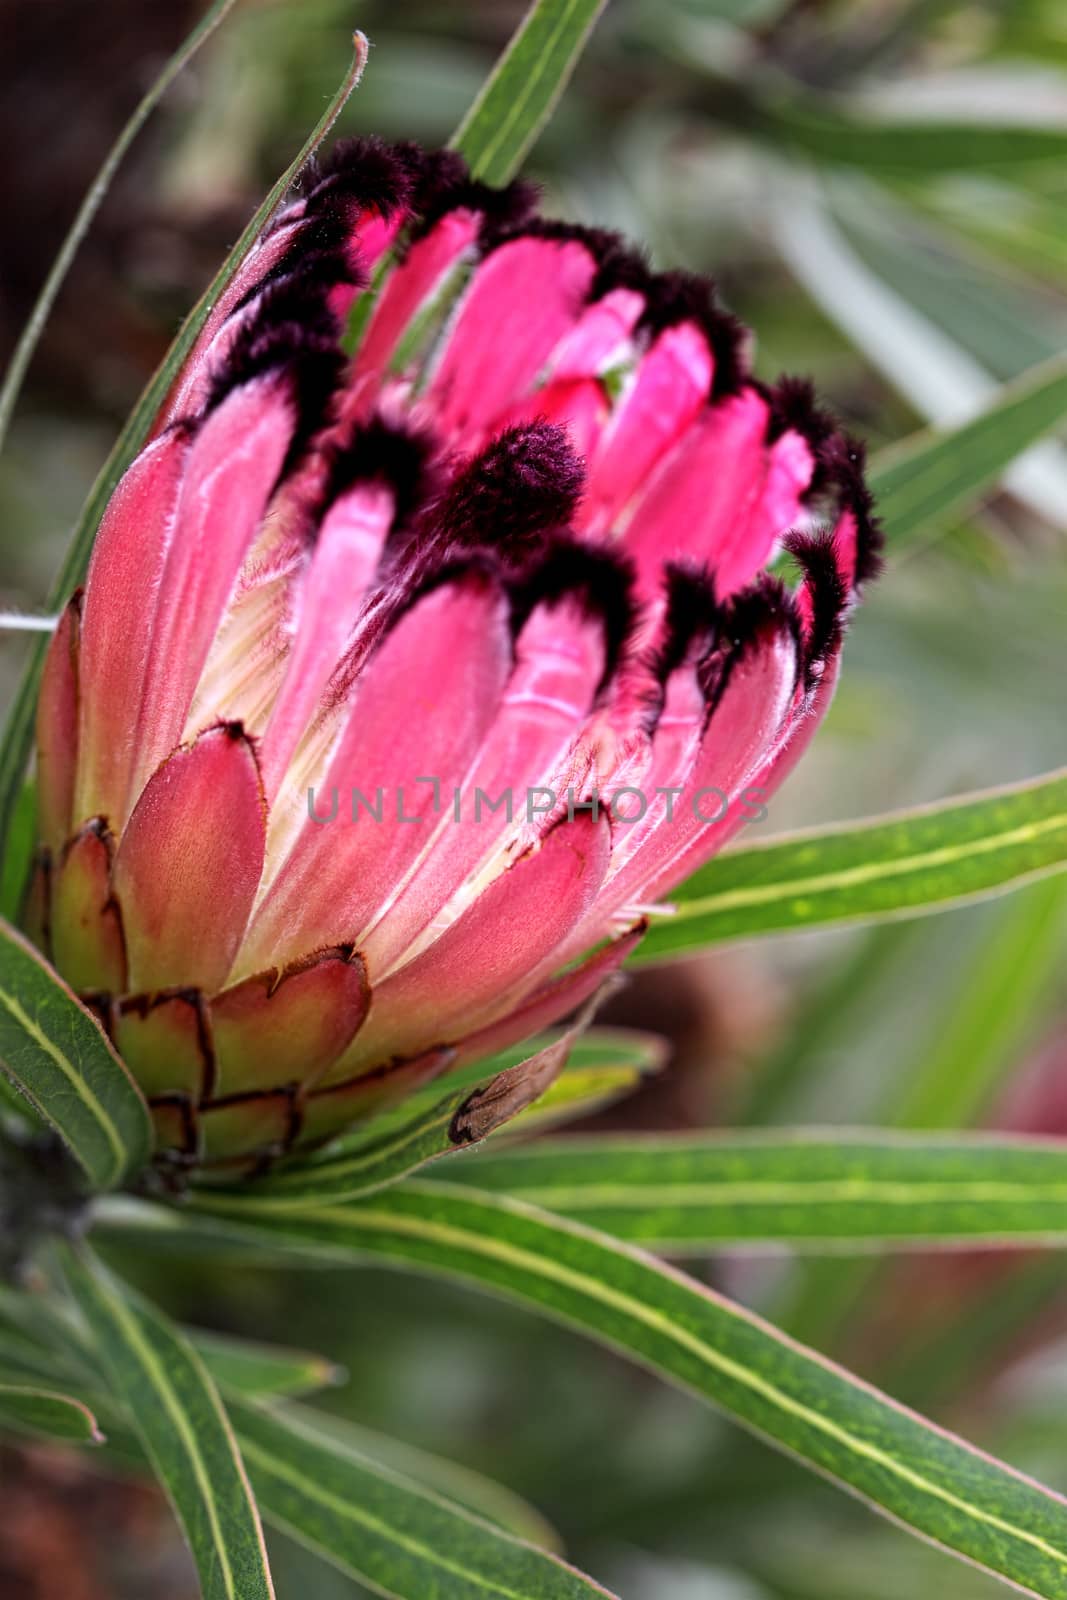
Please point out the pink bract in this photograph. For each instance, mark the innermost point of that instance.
(340, 609)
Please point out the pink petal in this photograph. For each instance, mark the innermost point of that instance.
(743, 733)
(552, 1001)
(346, 555)
(559, 659)
(662, 398)
(412, 285)
(276, 1030)
(57, 731)
(601, 335)
(778, 508)
(703, 491)
(510, 931)
(189, 864)
(420, 709)
(121, 599)
(233, 465)
(521, 301)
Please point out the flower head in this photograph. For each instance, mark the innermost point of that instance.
(401, 682)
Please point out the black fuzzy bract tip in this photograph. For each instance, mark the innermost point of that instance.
(526, 481)
(362, 174)
(291, 330)
(442, 183)
(843, 462)
(597, 579)
(765, 607)
(794, 408)
(380, 451)
(675, 297)
(691, 622)
(827, 590)
(376, 175)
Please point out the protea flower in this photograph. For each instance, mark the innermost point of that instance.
(403, 685)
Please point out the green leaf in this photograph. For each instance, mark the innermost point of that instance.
(261, 1371)
(987, 1022)
(257, 1371)
(935, 1484)
(524, 87)
(176, 1410)
(690, 1192)
(906, 147)
(18, 733)
(906, 864)
(56, 1416)
(57, 1054)
(384, 1530)
(23, 839)
(987, 1015)
(935, 474)
(486, 1498)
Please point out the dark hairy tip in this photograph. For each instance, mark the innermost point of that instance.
(596, 577)
(794, 408)
(764, 607)
(675, 297)
(843, 461)
(526, 480)
(313, 366)
(380, 451)
(691, 622)
(291, 329)
(442, 183)
(366, 170)
(827, 592)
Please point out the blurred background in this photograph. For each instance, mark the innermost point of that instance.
(852, 175)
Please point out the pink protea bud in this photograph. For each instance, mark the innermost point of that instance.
(401, 684)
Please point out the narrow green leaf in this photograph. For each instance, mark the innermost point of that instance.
(57, 1054)
(692, 1192)
(23, 839)
(906, 147)
(247, 1367)
(56, 1416)
(261, 1371)
(986, 1017)
(18, 733)
(176, 1410)
(933, 1483)
(486, 1498)
(988, 1020)
(524, 87)
(381, 1528)
(38, 318)
(902, 865)
(935, 474)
